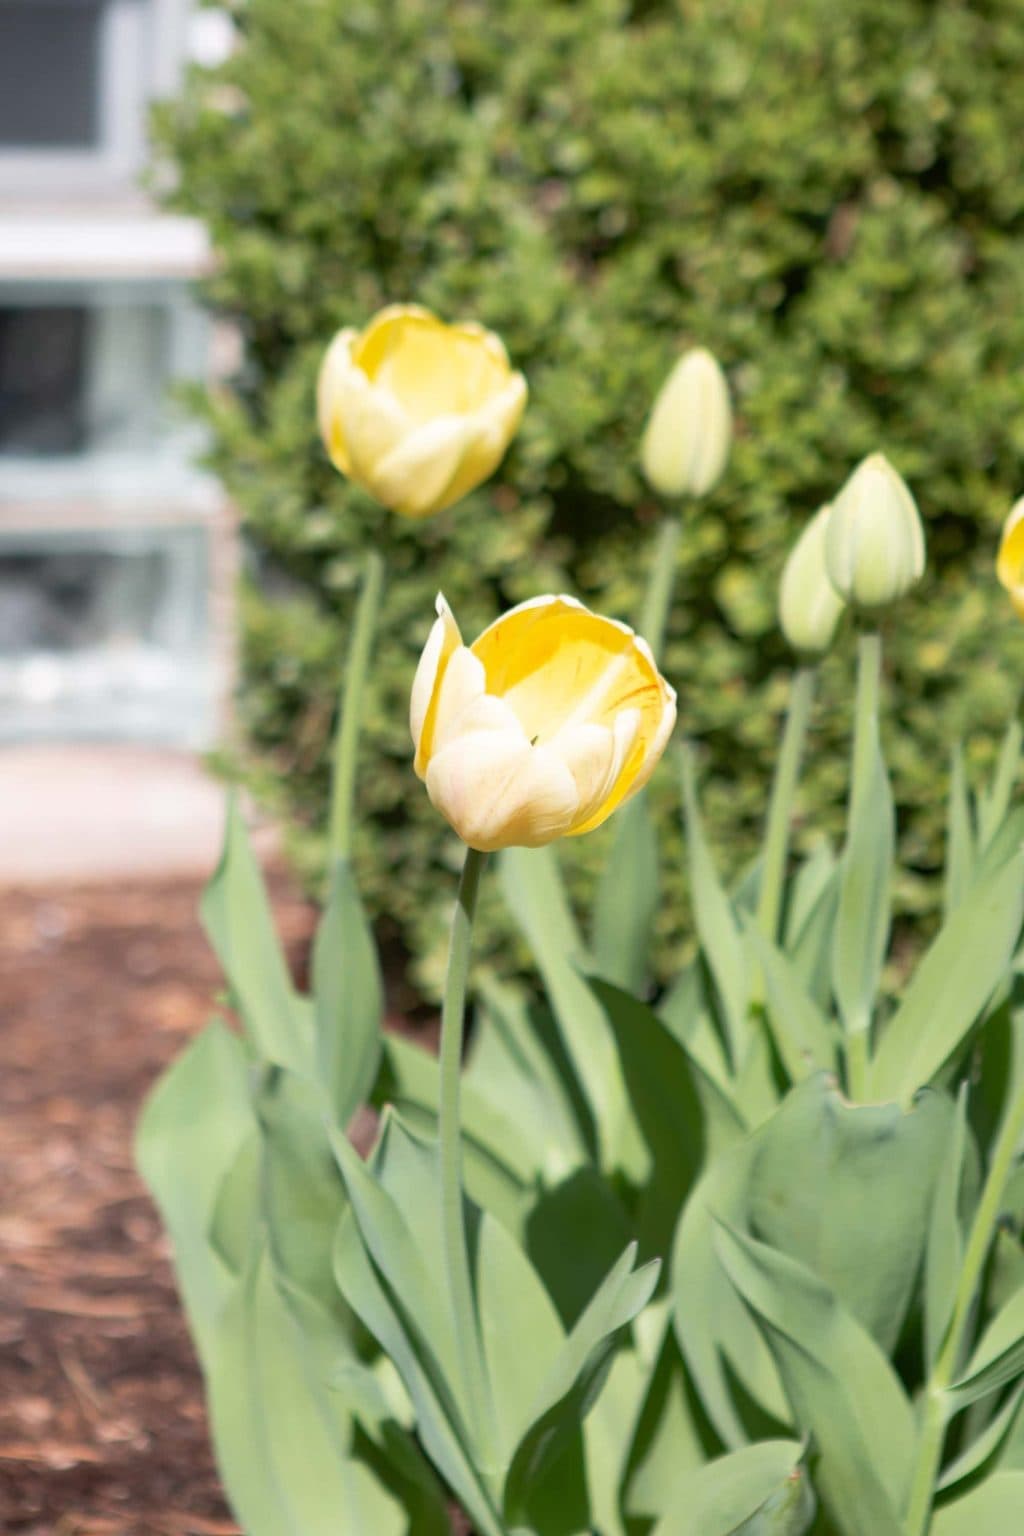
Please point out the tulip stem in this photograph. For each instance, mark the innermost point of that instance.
(780, 808)
(937, 1410)
(865, 742)
(660, 581)
(346, 741)
(453, 1216)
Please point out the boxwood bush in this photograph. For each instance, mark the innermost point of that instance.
(829, 196)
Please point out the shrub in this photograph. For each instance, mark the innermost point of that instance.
(830, 197)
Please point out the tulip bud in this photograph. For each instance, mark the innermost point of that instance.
(874, 544)
(687, 439)
(1010, 562)
(809, 605)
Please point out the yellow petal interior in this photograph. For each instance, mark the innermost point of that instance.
(1010, 565)
(432, 368)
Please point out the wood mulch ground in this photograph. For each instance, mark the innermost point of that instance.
(102, 1428)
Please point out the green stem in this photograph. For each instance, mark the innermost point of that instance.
(453, 1220)
(346, 741)
(780, 809)
(937, 1415)
(660, 581)
(865, 740)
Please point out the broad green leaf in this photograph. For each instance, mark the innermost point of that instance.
(843, 1390)
(944, 1249)
(717, 924)
(994, 804)
(717, 1336)
(671, 1435)
(236, 1212)
(607, 1435)
(998, 1358)
(861, 934)
(846, 1189)
(348, 998)
(627, 899)
(671, 1106)
(283, 1444)
(803, 1036)
(533, 891)
(574, 1232)
(189, 1134)
(686, 1009)
(993, 1508)
(237, 918)
(952, 984)
(807, 886)
(576, 1377)
(989, 1443)
(761, 1490)
(810, 946)
(517, 1064)
(959, 837)
(500, 1161)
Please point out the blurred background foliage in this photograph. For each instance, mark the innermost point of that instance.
(831, 197)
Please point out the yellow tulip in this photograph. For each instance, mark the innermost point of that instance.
(1010, 562)
(541, 728)
(415, 411)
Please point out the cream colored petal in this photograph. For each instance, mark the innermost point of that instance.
(336, 366)
(595, 756)
(492, 428)
(414, 476)
(464, 685)
(372, 423)
(499, 792)
(442, 643)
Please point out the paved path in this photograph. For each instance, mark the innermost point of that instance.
(97, 813)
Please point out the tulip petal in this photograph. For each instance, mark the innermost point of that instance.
(442, 642)
(493, 427)
(499, 792)
(1010, 562)
(370, 420)
(415, 475)
(336, 365)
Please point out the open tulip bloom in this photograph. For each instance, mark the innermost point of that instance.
(542, 727)
(417, 412)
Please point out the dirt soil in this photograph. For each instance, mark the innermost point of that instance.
(102, 1428)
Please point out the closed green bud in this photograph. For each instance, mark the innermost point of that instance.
(687, 439)
(874, 545)
(809, 605)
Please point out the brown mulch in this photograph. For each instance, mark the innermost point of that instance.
(102, 1427)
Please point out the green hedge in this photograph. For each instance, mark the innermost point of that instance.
(830, 196)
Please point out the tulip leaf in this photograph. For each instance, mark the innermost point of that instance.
(846, 1189)
(348, 998)
(236, 1213)
(945, 1245)
(952, 984)
(761, 1490)
(671, 1435)
(191, 1129)
(237, 918)
(861, 933)
(986, 1448)
(536, 898)
(717, 1337)
(717, 925)
(994, 804)
(627, 899)
(842, 1388)
(803, 1036)
(686, 1010)
(993, 1508)
(808, 885)
(283, 1442)
(576, 1376)
(998, 1358)
(501, 1161)
(671, 1105)
(959, 836)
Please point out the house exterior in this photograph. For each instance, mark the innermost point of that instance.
(115, 548)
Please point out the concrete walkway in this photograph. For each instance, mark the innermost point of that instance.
(84, 814)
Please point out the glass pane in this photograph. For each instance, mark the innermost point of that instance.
(49, 73)
(42, 379)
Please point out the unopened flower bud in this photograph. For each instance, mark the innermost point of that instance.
(1010, 562)
(809, 605)
(874, 545)
(687, 439)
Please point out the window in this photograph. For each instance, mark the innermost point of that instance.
(49, 73)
